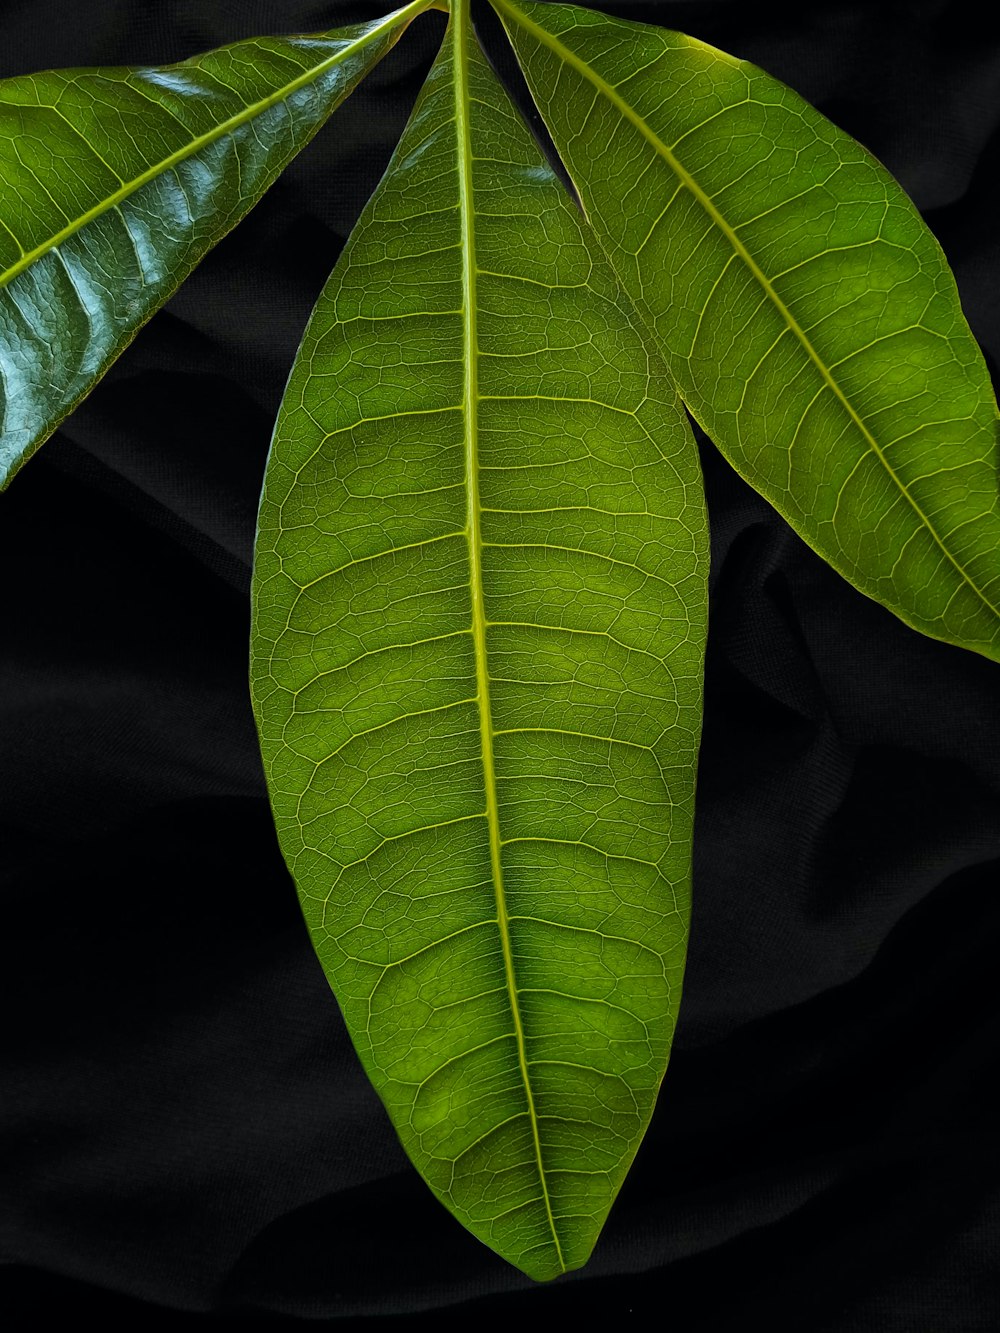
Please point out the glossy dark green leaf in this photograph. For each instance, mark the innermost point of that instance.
(805, 311)
(479, 609)
(115, 182)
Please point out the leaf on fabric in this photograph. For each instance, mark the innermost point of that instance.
(479, 609)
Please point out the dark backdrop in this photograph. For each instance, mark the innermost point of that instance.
(186, 1129)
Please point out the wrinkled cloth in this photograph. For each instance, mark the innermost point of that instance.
(184, 1123)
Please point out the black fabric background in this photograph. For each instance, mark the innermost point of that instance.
(185, 1127)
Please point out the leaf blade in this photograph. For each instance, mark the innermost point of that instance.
(876, 437)
(118, 182)
(511, 702)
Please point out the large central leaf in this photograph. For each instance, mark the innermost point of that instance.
(479, 614)
(116, 183)
(805, 311)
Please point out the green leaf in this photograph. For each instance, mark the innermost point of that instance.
(116, 183)
(479, 611)
(806, 313)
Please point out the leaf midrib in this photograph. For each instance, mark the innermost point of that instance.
(470, 406)
(545, 38)
(401, 16)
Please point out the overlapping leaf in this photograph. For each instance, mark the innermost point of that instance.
(479, 612)
(116, 182)
(805, 311)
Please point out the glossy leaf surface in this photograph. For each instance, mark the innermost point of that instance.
(479, 613)
(807, 314)
(116, 182)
